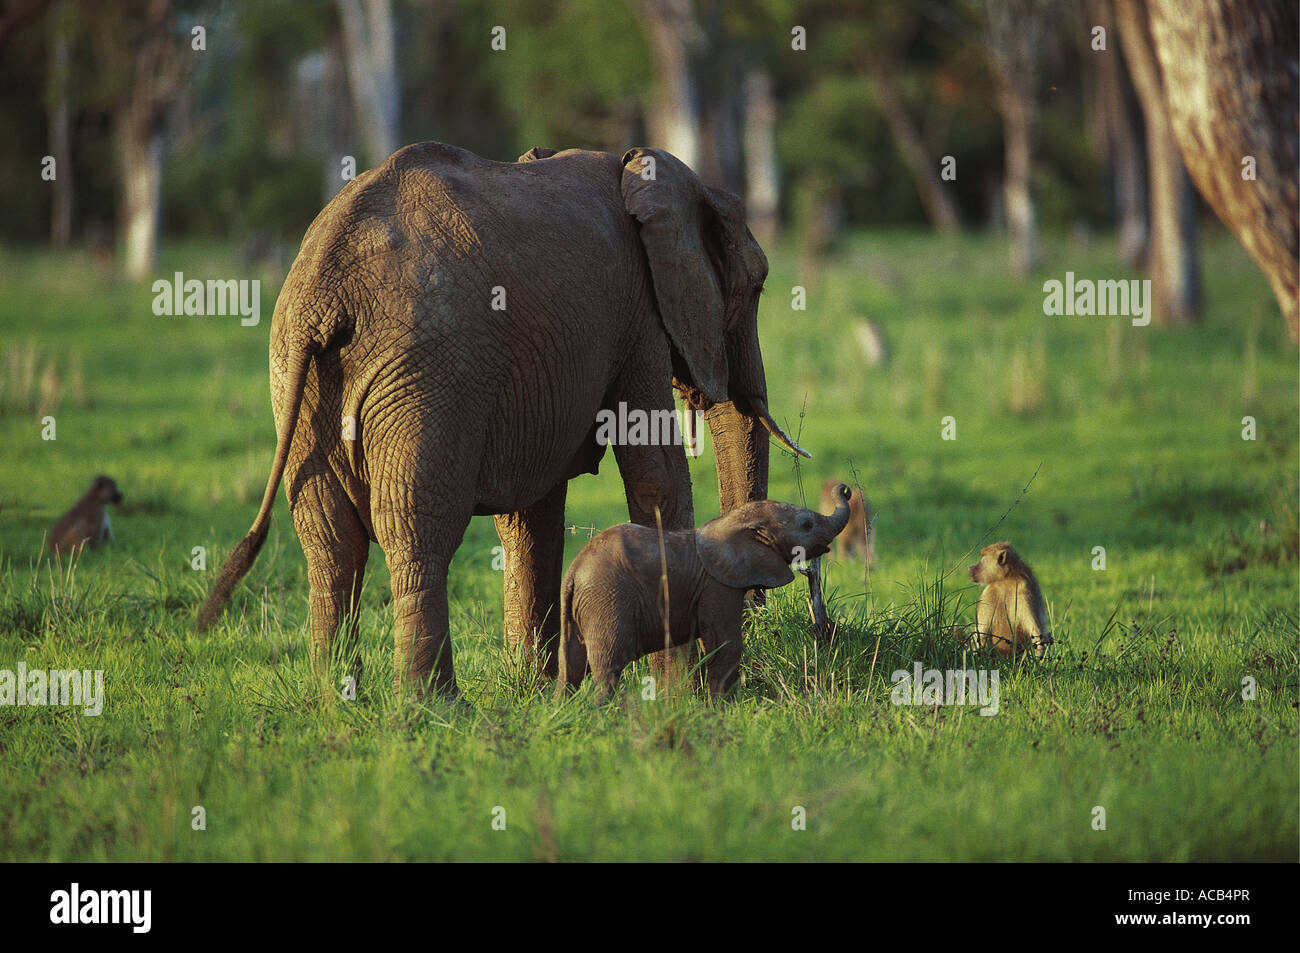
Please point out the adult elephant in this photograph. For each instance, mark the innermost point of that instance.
(442, 346)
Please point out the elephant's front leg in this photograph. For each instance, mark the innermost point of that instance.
(719, 620)
(532, 542)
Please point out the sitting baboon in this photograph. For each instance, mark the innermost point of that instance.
(1011, 615)
(87, 522)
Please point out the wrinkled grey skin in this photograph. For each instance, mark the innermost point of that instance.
(612, 597)
(618, 286)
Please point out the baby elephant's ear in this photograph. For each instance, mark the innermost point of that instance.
(734, 554)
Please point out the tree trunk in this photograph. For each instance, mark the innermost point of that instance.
(141, 153)
(1172, 257)
(370, 47)
(674, 115)
(939, 209)
(322, 116)
(1230, 69)
(1014, 31)
(1115, 125)
(719, 84)
(59, 128)
(762, 183)
(1017, 134)
(147, 54)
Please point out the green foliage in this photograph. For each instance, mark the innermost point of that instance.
(574, 72)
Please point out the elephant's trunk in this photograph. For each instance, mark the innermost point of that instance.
(834, 524)
(840, 518)
(740, 446)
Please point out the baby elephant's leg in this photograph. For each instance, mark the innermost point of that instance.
(611, 649)
(573, 662)
(719, 622)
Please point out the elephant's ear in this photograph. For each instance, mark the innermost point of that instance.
(685, 238)
(735, 553)
(535, 153)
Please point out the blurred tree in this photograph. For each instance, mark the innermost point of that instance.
(1115, 123)
(1013, 34)
(1232, 84)
(678, 44)
(142, 68)
(925, 91)
(16, 13)
(1172, 257)
(256, 151)
(371, 53)
(576, 74)
(882, 69)
(58, 108)
(821, 132)
(762, 177)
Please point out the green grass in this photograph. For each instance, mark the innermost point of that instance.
(1135, 434)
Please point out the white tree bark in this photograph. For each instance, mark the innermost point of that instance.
(762, 180)
(370, 48)
(674, 34)
(1014, 30)
(156, 70)
(142, 164)
(1172, 255)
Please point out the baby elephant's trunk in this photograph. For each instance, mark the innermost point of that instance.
(834, 524)
(840, 518)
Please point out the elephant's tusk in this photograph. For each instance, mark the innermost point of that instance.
(761, 411)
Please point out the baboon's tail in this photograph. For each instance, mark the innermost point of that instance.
(241, 557)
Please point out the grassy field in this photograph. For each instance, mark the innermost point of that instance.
(1136, 438)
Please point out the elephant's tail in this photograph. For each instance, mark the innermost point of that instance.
(566, 625)
(568, 634)
(241, 557)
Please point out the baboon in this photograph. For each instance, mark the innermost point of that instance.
(859, 537)
(1011, 616)
(87, 522)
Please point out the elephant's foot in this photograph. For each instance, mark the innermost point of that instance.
(422, 645)
(676, 667)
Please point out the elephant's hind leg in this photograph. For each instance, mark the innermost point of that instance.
(421, 500)
(336, 545)
(422, 635)
(418, 546)
(573, 664)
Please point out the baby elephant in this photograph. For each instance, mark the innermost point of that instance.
(611, 603)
